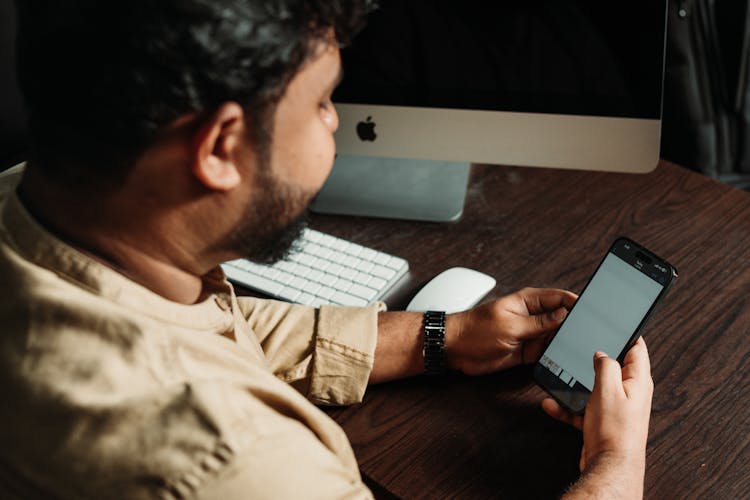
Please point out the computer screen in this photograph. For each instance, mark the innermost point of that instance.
(546, 83)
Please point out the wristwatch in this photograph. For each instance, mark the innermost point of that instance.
(434, 342)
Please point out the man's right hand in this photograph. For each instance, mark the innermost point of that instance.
(615, 426)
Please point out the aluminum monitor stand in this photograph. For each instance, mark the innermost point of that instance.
(394, 188)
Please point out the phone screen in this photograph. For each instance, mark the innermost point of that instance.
(606, 316)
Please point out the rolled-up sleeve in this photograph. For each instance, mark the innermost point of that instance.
(327, 353)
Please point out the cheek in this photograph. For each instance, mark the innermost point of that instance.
(307, 157)
(320, 152)
(328, 155)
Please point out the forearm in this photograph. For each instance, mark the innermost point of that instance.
(610, 477)
(400, 343)
(399, 350)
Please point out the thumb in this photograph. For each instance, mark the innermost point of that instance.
(607, 375)
(540, 323)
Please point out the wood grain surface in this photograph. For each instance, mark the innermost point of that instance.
(486, 437)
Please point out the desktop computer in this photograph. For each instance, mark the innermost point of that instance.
(431, 86)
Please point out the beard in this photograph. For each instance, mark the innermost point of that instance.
(273, 221)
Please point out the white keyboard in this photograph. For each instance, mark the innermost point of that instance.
(326, 270)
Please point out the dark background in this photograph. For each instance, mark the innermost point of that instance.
(549, 56)
(13, 140)
(696, 133)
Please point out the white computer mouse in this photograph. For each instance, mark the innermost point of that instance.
(455, 289)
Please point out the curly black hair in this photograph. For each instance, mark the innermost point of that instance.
(100, 79)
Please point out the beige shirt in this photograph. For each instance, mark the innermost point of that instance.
(110, 390)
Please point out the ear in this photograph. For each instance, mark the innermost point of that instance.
(216, 148)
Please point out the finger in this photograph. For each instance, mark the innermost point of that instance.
(542, 300)
(554, 410)
(637, 363)
(539, 324)
(637, 366)
(533, 327)
(607, 376)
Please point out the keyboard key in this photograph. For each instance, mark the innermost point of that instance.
(340, 245)
(377, 283)
(367, 254)
(305, 298)
(363, 279)
(342, 284)
(258, 268)
(366, 267)
(328, 279)
(334, 268)
(313, 235)
(244, 264)
(289, 294)
(317, 302)
(317, 250)
(295, 257)
(271, 273)
(383, 272)
(381, 258)
(327, 240)
(396, 263)
(325, 253)
(363, 292)
(311, 287)
(348, 300)
(302, 270)
(348, 273)
(305, 259)
(298, 283)
(287, 266)
(314, 275)
(354, 249)
(350, 261)
(336, 256)
(284, 278)
(319, 263)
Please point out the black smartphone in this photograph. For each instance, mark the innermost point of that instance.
(608, 316)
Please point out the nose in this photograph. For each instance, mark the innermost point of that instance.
(332, 119)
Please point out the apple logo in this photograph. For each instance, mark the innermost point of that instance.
(366, 130)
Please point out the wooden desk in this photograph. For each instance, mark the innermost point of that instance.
(487, 436)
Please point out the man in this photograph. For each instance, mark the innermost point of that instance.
(169, 137)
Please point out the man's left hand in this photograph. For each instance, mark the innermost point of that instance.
(506, 332)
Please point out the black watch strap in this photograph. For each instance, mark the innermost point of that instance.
(434, 342)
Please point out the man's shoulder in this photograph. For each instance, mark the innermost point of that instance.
(106, 395)
(61, 344)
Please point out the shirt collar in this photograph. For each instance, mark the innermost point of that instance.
(37, 245)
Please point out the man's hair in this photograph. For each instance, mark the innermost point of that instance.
(102, 78)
